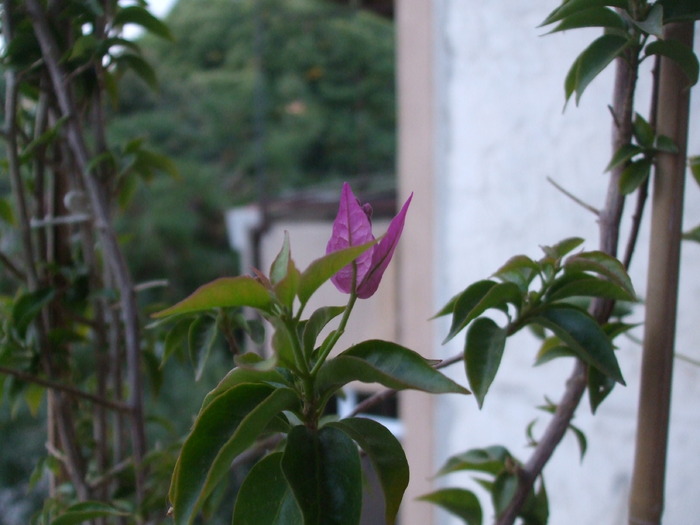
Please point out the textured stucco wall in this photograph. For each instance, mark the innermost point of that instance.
(500, 133)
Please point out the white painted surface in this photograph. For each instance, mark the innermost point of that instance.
(500, 133)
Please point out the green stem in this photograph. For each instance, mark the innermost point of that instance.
(336, 335)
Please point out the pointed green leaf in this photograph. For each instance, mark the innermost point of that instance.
(579, 331)
(593, 17)
(490, 460)
(280, 266)
(643, 132)
(28, 306)
(317, 322)
(200, 339)
(504, 488)
(622, 155)
(536, 508)
(665, 144)
(321, 270)
(239, 376)
(478, 298)
(552, 348)
(482, 355)
(581, 439)
(562, 248)
(225, 292)
(680, 54)
(692, 235)
(694, 163)
(599, 387)
(572, 7)
(634, 175)
(520, 270)
(140, 16)
(653, 24)
(227, 426)
(460, 502)
(387, 457)
(603, 264)
(140, 66)
(265, 497)
(387, 363)
(579, 284)
(85, 511)
(323, 470)
(594, 59)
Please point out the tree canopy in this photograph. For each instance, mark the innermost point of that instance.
(253, 97)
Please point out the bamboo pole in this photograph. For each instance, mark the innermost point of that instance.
(647, 496)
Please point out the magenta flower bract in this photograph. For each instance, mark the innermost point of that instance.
(352, 227)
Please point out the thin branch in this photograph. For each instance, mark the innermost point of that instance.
(595, 211)
(30, 378)
(7, 262)
(609, 227)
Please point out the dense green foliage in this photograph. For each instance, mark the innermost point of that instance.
(272, 96)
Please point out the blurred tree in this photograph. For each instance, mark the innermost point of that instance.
(255, 98)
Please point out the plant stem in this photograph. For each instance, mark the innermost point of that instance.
(609, 223)
(647, 496)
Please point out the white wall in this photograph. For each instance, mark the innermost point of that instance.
(500, 132)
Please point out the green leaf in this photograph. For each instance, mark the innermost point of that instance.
(634, 175)
(665, 144)
(490, 460)
(200, 339)
(317, 322)
(6, 213)
(321, 270)
(225, 427)
(478, 298)
(460, 502)
(280, 266)
(594, 59)
(593, 17)
(643, 132)
(225, 292)
(536, 508)
(139, 66)
(482, 355)
(387, 457)
(622, 155)
(140, 16)
(240, 376)
(580, 284)
(680, 10)
(85, 511)
(693, 235)
(386, 363)
(580, 332)
(572, 7)
(562, 248)
(599, 387)
(694, 163)
(520, 270)
(653, 24)
(580, 439)
(504, 488)
(28, 306)
(603, 264)
(323, 470)
(265, 497)
(679, 53)
(175, 339)
(552, 348)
